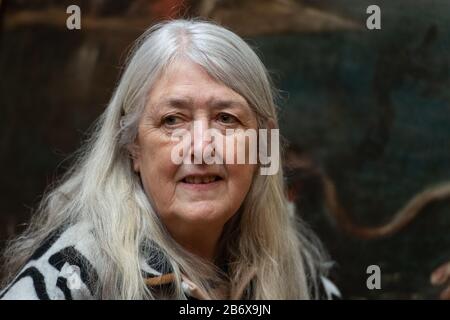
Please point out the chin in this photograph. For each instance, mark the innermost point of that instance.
(203, 212)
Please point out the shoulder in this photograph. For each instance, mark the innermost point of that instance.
(63, 267)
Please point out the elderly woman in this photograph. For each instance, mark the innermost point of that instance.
(129, 222)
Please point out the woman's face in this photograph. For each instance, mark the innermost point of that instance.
(183, 194)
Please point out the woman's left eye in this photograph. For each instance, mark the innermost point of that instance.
(227, 118)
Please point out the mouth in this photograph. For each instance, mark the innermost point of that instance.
(197, 179)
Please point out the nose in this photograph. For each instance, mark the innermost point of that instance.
(200, 140)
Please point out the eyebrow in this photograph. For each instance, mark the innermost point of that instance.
(186, 102)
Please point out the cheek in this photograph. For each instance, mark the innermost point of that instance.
(155, 155)
(157, 171)
(157, 165)
(239, 181)
(240, 178)
(238, 148)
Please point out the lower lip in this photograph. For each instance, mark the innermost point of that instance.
(201, 186)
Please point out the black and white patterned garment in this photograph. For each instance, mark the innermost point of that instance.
(60, 269)
(63, 268)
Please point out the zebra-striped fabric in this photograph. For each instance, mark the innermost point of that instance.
(64, 268)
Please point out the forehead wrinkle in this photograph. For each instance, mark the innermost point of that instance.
(186, 102)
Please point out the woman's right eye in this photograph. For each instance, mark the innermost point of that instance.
(171, 120)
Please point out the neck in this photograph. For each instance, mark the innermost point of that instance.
(201, 241)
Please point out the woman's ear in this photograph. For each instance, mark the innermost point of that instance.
(135, 154)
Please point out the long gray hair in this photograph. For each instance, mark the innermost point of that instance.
(101, 187)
